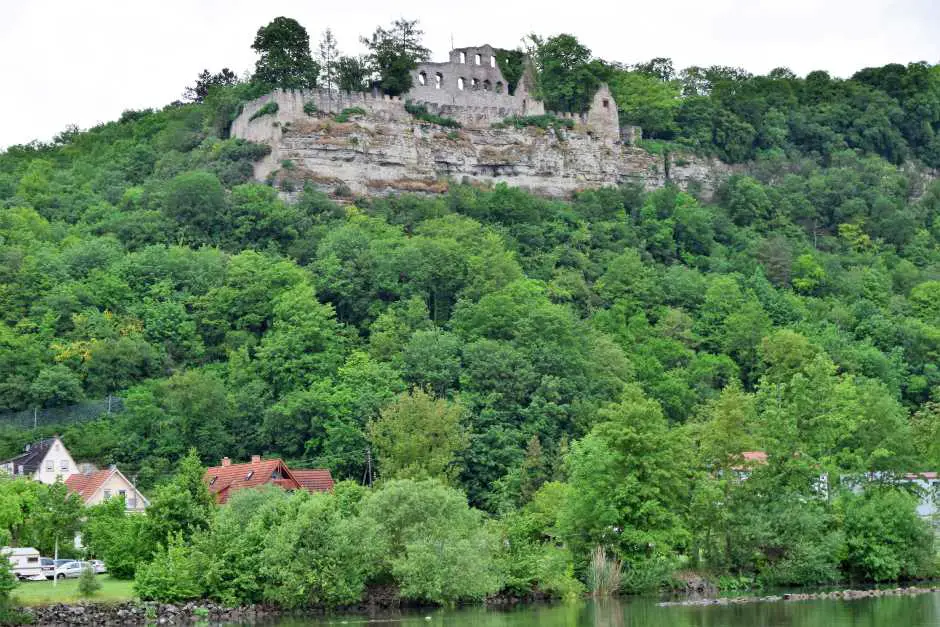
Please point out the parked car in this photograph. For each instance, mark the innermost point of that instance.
(61, 561)
(24, 561)
(73, 569)
(48, 567)
(99, 567)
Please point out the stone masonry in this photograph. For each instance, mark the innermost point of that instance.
(386, 149)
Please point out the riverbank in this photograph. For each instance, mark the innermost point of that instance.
(836, 595)
(141, 613)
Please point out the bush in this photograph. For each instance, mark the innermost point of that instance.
(545, 121)
(421, 112)
(310, 108)
(173, 575)
(345, 114)
(88, 583)
(7, 581)
(269, 108)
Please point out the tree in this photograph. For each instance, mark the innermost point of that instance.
(418, 436)
(285, 61)
(352, 73)
(328, 57)
(567, 79)
(88, 583)
(207, 81)
(180, 507)
(394, 52)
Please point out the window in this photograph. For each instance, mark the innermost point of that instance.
(122, 493)
(493, 61)
(438, 80)
(131, 503)
(463, 57)
(477, 59)
(486, 85)
(64, 464)
(249, 475)
(50, 465)
(474, 83)
(213, 480)
(460, 83)
(606, 103)
(422, 78)
(499, 87)
(107, 494)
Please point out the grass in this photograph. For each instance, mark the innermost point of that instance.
(66, 591)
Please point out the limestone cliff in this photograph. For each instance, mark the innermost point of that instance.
(385, 149)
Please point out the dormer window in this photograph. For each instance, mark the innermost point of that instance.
(213, 480)
(249, 475)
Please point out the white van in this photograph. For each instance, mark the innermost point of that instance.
(24, 560)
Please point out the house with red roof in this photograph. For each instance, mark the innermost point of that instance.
(97, 486)
(226, 478)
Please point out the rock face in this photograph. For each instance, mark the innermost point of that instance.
(377, 147)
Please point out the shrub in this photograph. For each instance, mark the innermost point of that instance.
(7, 581)
(172, 576)
(420, 112)
(269, 108)
(310, 108)
(88, 583)
(345, 114)
(545, 121)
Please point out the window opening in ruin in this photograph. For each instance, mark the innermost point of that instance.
(606, 103)
(438, 80)
(460, 83)
(475, 83)
(486, 85)
(477, 59)
(499, 87)
(422, 78)
(493, 61)
(463, 57)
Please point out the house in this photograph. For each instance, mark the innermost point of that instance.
(96, 487)
(226, 478)
(46, 461)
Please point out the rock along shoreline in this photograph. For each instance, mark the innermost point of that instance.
(842, 595)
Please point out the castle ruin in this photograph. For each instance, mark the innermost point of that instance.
(370, 143)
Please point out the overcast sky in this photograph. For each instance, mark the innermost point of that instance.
(82, 62)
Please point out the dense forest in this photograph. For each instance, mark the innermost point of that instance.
(587, 371)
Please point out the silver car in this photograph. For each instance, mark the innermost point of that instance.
(72, 570)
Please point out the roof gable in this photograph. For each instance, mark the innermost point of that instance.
(89, 484)
(31, 459)
(222, 480)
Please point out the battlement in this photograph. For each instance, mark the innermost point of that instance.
(469, 88)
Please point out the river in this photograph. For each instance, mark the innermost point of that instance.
(903, 611)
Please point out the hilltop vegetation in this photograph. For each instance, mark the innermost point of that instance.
(586, 370)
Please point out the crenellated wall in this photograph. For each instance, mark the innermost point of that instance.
(387, 149)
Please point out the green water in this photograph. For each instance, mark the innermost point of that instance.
(919, 611)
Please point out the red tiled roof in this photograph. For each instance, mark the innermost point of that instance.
(85, 485)
(223, 480)
(921, 475)
(754, 456)
(314, 480)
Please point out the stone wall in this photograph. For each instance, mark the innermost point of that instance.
(387, 150)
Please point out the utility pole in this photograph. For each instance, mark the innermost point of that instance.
(367, 477)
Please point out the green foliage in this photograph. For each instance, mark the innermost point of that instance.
(545, 121)
(284, 59)
(418, 436)
(173, 575)
(512, 65)
(113, 535)
(344, 115)
(567, 77)
(7, 582)
(394, 52)
(310, 108)
(88, 583)
(269, 108)
(420, 112)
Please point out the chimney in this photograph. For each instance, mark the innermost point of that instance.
(226, 461)
(255, 459)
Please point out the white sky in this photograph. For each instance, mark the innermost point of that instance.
(84, 62)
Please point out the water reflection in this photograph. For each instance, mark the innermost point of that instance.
(919, 611)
